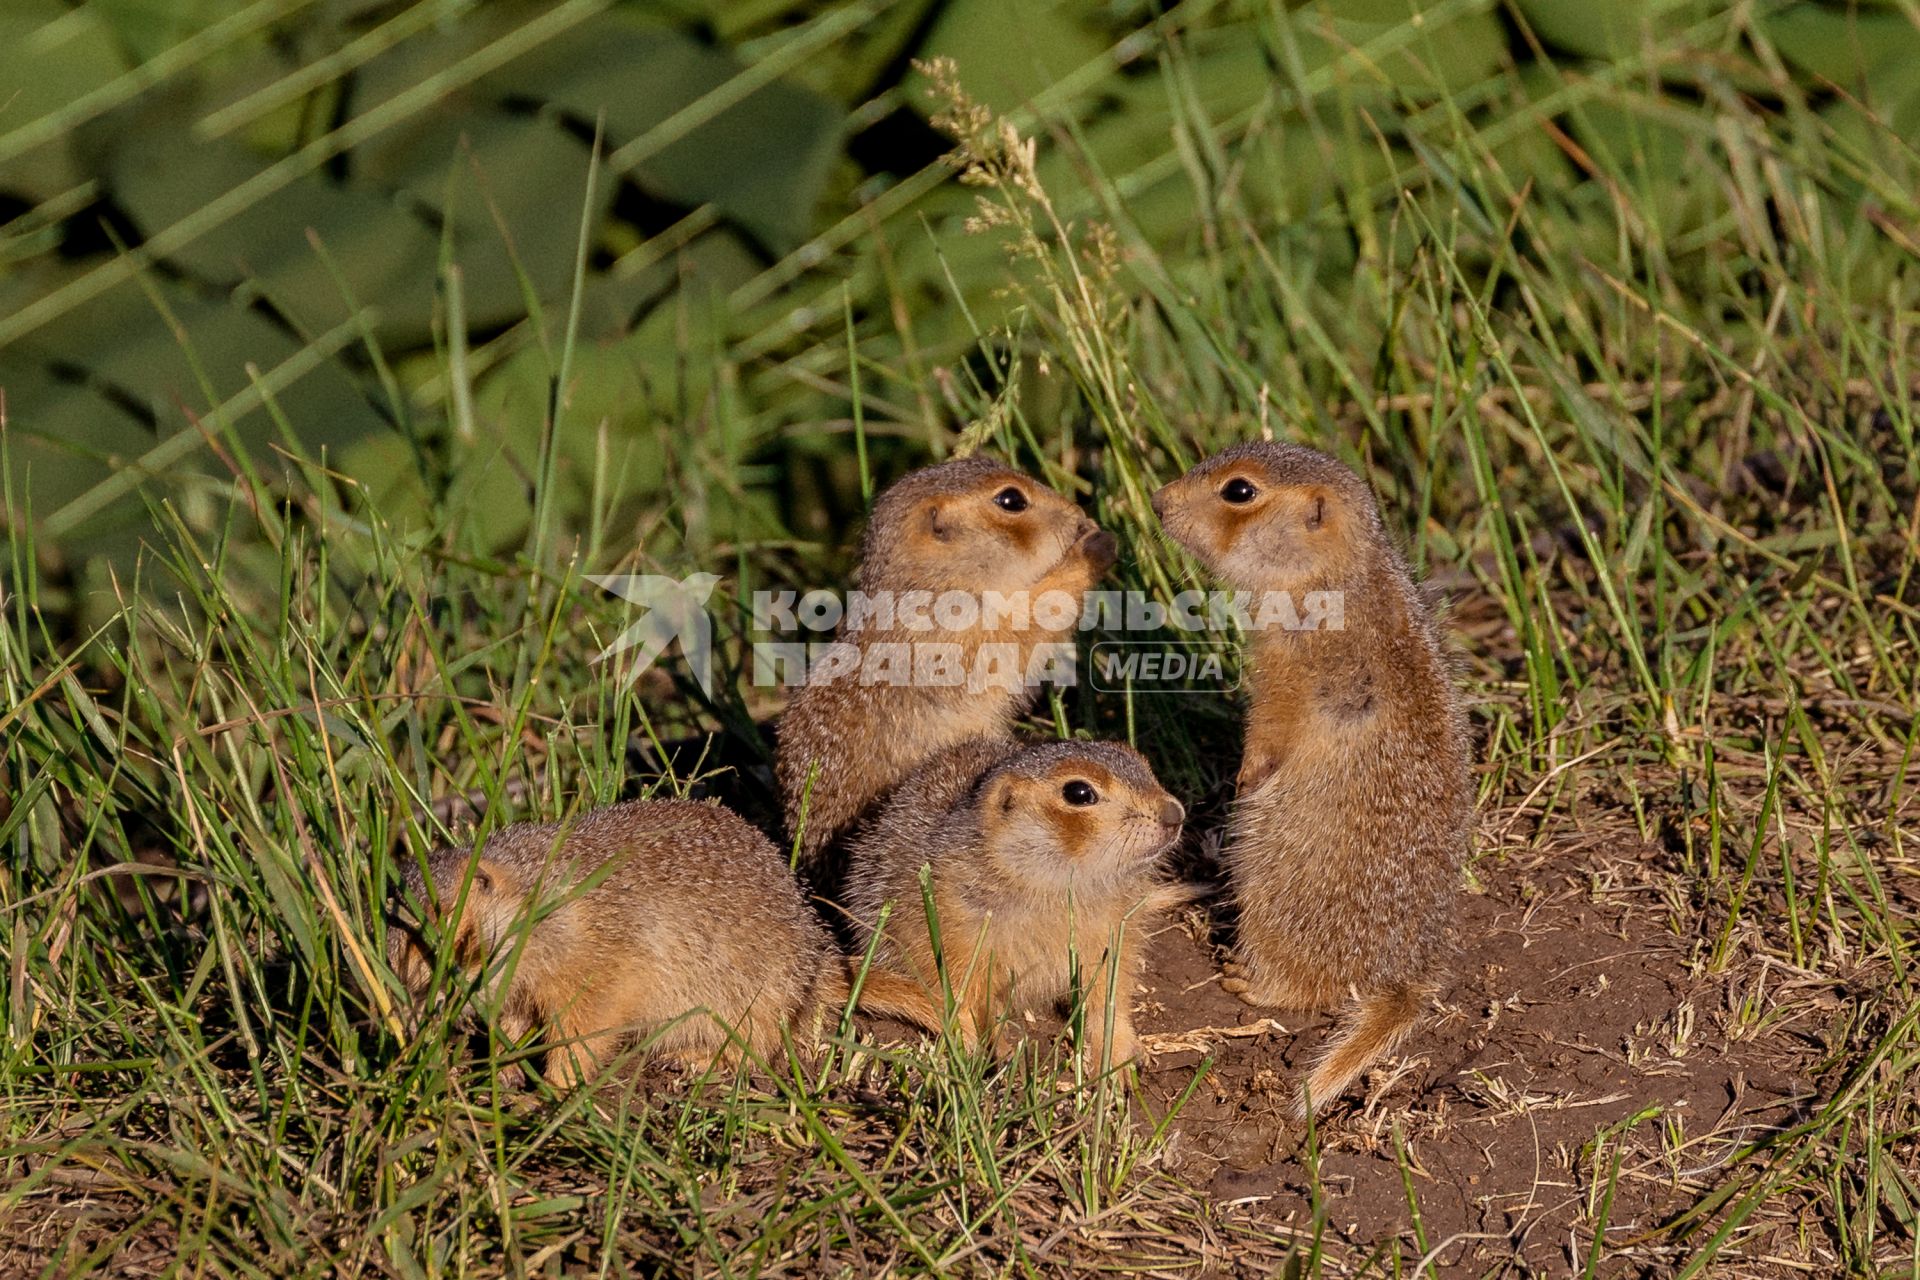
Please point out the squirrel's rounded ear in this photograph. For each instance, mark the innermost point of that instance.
(486, 877)
(1316, 510)
(937, 524)
(996, 795)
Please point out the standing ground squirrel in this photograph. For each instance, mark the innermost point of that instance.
(971, 526)
(1346, 842)
(1042, 856)
(630, 918)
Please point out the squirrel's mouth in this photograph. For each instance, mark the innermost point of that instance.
(1165, 836)
(1070, 543)
(1171, 517)
(1090, 541)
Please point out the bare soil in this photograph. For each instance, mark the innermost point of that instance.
(1574, 1012)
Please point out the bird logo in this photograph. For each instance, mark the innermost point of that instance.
(670, 609)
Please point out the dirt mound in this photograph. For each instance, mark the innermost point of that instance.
(1581, 1033)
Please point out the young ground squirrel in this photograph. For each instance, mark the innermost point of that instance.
(1043, 857)
(971, 526)
(634, 916)
(1346, 842)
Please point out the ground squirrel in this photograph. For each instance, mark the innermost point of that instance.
(1346, 842)
(1038, 853)
(970, 526)
(634, 916)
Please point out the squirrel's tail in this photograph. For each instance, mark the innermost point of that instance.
(887, 994)
(1373, 1027)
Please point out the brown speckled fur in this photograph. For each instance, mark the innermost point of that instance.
(1355, 805)
(1021, 880)
(935, 530)
(652, 909)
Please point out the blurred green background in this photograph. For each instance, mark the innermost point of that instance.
(374, 234)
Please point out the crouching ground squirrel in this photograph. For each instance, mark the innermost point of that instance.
(630, 918)
(973, 528)
(1042, 857)
(1347, 838)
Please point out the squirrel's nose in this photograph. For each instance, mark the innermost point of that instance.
(1159, 500)
(1171, 812)
(1102, 549)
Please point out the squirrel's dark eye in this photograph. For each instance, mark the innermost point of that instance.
(1079, 793)
(1238, 490)
(1010, 499)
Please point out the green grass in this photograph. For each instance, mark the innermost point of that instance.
(1654, 432)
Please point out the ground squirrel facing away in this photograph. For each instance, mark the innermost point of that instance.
(630, 918)
(1042, 857)
(971, 526)
(1346, 842)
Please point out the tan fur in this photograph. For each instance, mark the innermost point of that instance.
(935, 530)
(1346, 843)
(632, 917)
(1022, 881)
